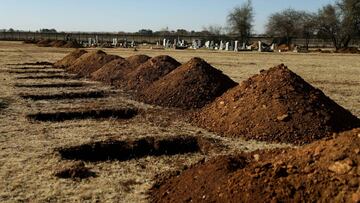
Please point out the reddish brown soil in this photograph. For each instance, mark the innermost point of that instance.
(192, 85)
(90, 62)
(70, 58)
(57, 43)
(114, 69)
(277, 106)
(72, 44)
(137, 60)
(324, 171)
(349, 50)
(44, 43)
(150, 71)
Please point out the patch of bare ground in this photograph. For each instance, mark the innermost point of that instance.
(53, 85)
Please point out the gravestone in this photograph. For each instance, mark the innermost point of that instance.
(221, 45)
(227, 44)
(260, 46)
(236, 46)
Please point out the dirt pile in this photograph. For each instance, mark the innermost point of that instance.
(192, 85)
(137, 60)
(150, 71)
(114, 69)
(323, 171)
(56, 43)
(44, 43)
(70, 58)
(349, 50)
(90, 62)
(277, 106)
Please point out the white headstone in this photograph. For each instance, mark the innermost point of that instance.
(221, 45)
(272, 47)
(236, 46)
(207, 44)
(227, 44)
(260, 46)
(243, 46)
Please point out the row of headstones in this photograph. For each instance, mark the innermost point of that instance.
(233, 46)
(115, 43)
(177, 42)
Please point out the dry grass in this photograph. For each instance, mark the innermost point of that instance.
(28, 158)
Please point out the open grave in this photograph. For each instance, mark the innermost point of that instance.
(40, 77)
(116, 113)
(53, 85)
(131, 149)
(66, 95)
(35, 71)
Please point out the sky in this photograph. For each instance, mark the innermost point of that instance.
(133, 15)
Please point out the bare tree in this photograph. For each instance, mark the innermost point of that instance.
(240, 21)
(340, 22)
(290, 23)
(214, 29)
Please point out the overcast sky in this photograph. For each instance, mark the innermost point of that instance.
(132, 15)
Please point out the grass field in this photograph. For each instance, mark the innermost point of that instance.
(28, 155)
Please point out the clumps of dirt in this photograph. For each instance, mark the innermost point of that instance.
(276, 105)
(66, 95)
(117, 70)
(323, 171)
(349, 50)
(76, 170)
(90, 62)
(114, 69)
(131, 149)
(44, 43)
(70, 58)
(119, 113)
(137, 60)
(192, 85)
(57, 43)
(149, 72)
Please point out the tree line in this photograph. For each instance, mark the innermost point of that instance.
(339, 22)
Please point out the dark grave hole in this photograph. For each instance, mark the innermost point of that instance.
(35, 71)
(66, 95)
(39, 63)
(131, 149)
(31, 68)
(52, 85)
(40, 77)
(121, 113)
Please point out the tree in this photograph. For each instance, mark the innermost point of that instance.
(291, 23)
(214, 29)
(339, 22)
(145, 32)
(240, 21)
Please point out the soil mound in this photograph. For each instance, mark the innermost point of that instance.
(192, 85)
(150, 71)
(137, 60)
(72, 44)
(90, 62)
(44, 43)
(323, 171)
(277, 106)
(114, 70)
(57, 43)
(349, 50)
(70, 58)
